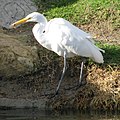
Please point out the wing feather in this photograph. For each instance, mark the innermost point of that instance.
(65, 36)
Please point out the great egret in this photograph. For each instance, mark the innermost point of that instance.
(65, 39)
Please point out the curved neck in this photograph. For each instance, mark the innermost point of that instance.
(39, 27)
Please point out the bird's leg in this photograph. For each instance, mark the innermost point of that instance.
(81, 73)
(80, 78)
(63, 73)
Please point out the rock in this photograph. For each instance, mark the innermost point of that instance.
(22, 103)
(12, 10)
(16, 58)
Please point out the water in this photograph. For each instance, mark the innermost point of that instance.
(30, 114)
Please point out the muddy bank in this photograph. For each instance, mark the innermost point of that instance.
(16, 58)
(101, 91)
(36, 89)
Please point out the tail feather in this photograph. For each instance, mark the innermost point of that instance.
(92, 41)
(97, 56)
(100, 49)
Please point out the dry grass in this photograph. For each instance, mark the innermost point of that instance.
(107, 94)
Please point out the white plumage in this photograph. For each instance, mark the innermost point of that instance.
(65, 39)
(60, 35)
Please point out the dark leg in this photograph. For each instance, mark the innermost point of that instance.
(63, 73)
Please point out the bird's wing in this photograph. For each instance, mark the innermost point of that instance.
(72, 39)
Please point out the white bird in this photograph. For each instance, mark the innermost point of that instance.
(62, 37)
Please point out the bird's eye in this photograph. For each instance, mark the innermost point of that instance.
(29, 18)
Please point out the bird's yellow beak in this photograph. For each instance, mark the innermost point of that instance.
(19, 22)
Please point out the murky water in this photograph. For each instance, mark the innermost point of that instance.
(30, 114)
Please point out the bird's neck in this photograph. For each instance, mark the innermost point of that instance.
(38, 31)
(39, 27)
(41, 23)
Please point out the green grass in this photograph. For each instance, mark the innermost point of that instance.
(82, 11)
(112, 53)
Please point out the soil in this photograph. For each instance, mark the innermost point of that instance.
(101, 83)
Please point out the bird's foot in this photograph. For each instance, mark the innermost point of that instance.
(52, 95)
(77, 86)
(56, 92)
(82, 83)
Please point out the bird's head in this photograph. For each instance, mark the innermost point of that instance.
(33, 17)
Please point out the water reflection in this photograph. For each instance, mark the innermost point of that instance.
(35, 114)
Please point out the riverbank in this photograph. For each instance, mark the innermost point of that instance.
(102, 88)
